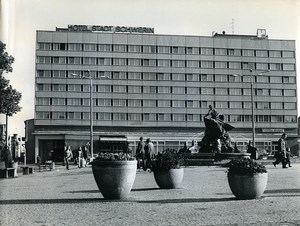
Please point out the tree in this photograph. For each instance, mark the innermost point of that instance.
(9, 97)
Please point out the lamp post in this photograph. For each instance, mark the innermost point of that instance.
(252, 102)
(89, 76)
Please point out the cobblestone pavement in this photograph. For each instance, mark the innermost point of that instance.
(63, 197)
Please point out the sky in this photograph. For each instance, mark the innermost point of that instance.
(19, 20)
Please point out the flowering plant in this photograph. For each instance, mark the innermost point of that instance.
(168, 159)
(121, 156)
(245, 166)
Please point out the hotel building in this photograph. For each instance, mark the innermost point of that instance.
(159, 86)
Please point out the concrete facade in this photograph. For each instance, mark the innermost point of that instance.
(160, 86)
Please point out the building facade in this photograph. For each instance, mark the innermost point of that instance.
(160, 86)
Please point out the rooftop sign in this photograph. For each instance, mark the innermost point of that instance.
(112, 29)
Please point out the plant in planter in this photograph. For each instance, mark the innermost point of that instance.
(114, 174)
(167, 168)
(247, 178)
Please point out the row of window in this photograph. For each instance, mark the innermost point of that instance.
(163, 103)
(151, 76)
(164, 63)
(164, 49)
(160, 117)
(165, 90)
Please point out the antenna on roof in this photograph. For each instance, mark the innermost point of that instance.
(232, 25)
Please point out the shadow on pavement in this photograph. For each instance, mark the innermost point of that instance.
(190, 200)
(145, 189)
(295, 190)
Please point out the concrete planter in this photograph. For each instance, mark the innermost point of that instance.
(248, 187)
(168, 179)
(114, 178)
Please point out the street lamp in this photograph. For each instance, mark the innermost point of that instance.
(252, 101)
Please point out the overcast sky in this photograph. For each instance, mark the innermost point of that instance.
(19, 20)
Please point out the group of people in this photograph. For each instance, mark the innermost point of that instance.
(283, 153)
(144, 153)
(80, 156)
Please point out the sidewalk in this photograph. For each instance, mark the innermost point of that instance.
(71, 197)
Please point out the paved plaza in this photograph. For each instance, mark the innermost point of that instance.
(62, 197)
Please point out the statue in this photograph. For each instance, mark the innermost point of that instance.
(216, 138)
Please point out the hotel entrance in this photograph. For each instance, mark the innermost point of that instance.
(51, 150)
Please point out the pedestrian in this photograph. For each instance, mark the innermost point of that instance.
(79, 158)
(149, 154)
(69, 156)
(38, 161)
(140, 153)
(184, 149)
(288, 156)
(281, 155)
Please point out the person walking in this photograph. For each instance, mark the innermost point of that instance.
(139, 155)
(281, 155)
(80, 157)
(288, 157)
(69, 156)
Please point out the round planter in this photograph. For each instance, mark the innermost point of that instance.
(248, 187)
(168, 179)
(114, 178)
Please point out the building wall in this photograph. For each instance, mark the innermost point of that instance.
(164, 81)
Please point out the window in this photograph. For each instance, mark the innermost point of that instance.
(262, 92)
(221, 91)
(207, 78)
(119, 116)
(262, 79)
(263, 118)
(235, 118)
(43, 115)
(235, 91)
(43, 60)
(104, 88)
(276, 105)
(119, 75)
(192, 104)
(74, 101)
(119, 102)
(192, 63)
(221, 104)
(149, 89)
(274, 53)
(207, 51)
(104, 116)
(248, 52)
(74, 87)
(163, 117)
(105, 47)
(134, 62)
(119, 48)
(102, 74)
(236, 104)
(75, 60)
(149, 62)
(193, 117)
(233, 78)
(163, 103)
(163, 63)
(149, 103)
(276, 118)
(179, 117)
(275, 79)
(134, 103)
(74, 47)
(104, 61)
(59, 46)
(149, 49)
(207, 91)
(192, 90)
(247, 105)
(192, 77)
(58, 87)
(104, 102)
(134, 48)
(221, 78)
(222, 52)
(192, 50)
(134, 75)
(207, 64)
(90, 47)
(163, 76)
(163, 89)
(178, 50)
(43, 101)
(289, 106)
(235, 65)
(205, 104)
(44, 46)
(85, 102)
(119, 89)
(149, 76)
(58, 115)
(276, 92)
(290, 118)
(219, 64)
(288, 67)
(58, 101)
(178, 77)
(288, 54)
(74, 115)
(261, 66)
(42, 73)
(178, 103)
(149, 117)
(164, 49)
(234, 52)
(119, 61)
(59, 74)
(178, 63)
(261, 53)
(289, 92)
(134, 117)
(134, 89)
(288, 79)
(178, 90)
(263, 105)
